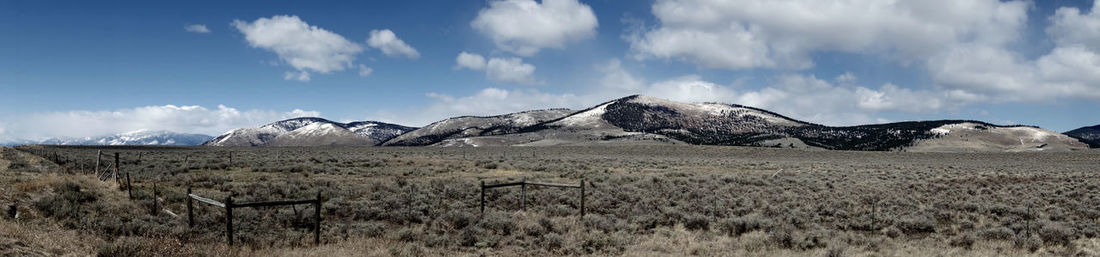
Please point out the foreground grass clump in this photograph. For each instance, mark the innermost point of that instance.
(641, 200)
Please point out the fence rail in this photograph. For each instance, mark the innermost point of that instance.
(523, 192)
(228, 205)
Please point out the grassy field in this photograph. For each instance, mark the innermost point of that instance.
(641, 201)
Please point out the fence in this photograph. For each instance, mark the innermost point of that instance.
(228, 205)
(523, 192)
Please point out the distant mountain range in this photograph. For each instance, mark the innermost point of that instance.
(311, 132)
(140, 137)
(633, 120)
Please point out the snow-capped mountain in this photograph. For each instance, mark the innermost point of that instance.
(140, 137)
(647, 120)
(473, 126)
(1088, 135)
(310, 131)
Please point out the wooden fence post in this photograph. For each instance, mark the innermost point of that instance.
(582, 198)
(482, 198)
(116, 169)
(190, 211)
(156, 202)
(229, 219)
(98, 158)
(317, 220)
(231, 159)
(129, 187)
(523, 195)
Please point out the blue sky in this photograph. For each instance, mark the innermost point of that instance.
(81, 68)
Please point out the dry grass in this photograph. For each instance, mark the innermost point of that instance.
(643, 201)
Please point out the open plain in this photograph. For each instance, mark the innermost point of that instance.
(639, 201)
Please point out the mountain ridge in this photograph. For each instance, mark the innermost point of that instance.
(138, 137)
(1089, 135)
(301, 131)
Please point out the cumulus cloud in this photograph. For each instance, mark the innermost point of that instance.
(1070, 27)
(196, 28)
(999, 75)
(365, 71)
(510, 70)
(966, 46)
(805, 97)
(302, 46)
(524, 27)
(390, 45)
(186, 119)
(499, 70)
(470, 61)
(742, 34)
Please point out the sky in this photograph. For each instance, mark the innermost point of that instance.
(88, 68)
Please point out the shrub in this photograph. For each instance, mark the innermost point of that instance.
(596, 221)
(67, 202)
(1031, 243)
(964, 240)
(916, 225)
(740, 225)
(459, 219)
(497, 222)
(1056, 234)
(696, 222)
(998, 233)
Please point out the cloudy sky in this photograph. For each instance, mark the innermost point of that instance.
(84, 68)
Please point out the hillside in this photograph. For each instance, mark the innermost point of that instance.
(649, 120)
(1088, 135)
(309, 131)
(475, 126)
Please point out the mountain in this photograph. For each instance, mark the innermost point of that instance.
(1088, 135)
(310, 131)
(648, 120)
(140, 137)
(473, 126)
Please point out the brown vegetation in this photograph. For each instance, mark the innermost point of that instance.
(642, 201)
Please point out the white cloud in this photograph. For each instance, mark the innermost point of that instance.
(302, 76)
(470, 61)
(186, 119)
(390, 45)
(741, 34)
(798, 96)
(300, 45)
(196, 28)
(498, 70)
(524, 27)
(1070, 27)
(365, 71)
(998, 75)
(510, 70)
(617, 78)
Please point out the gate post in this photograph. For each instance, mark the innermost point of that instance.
(582, 198)
(229, 219)
(190, 211)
